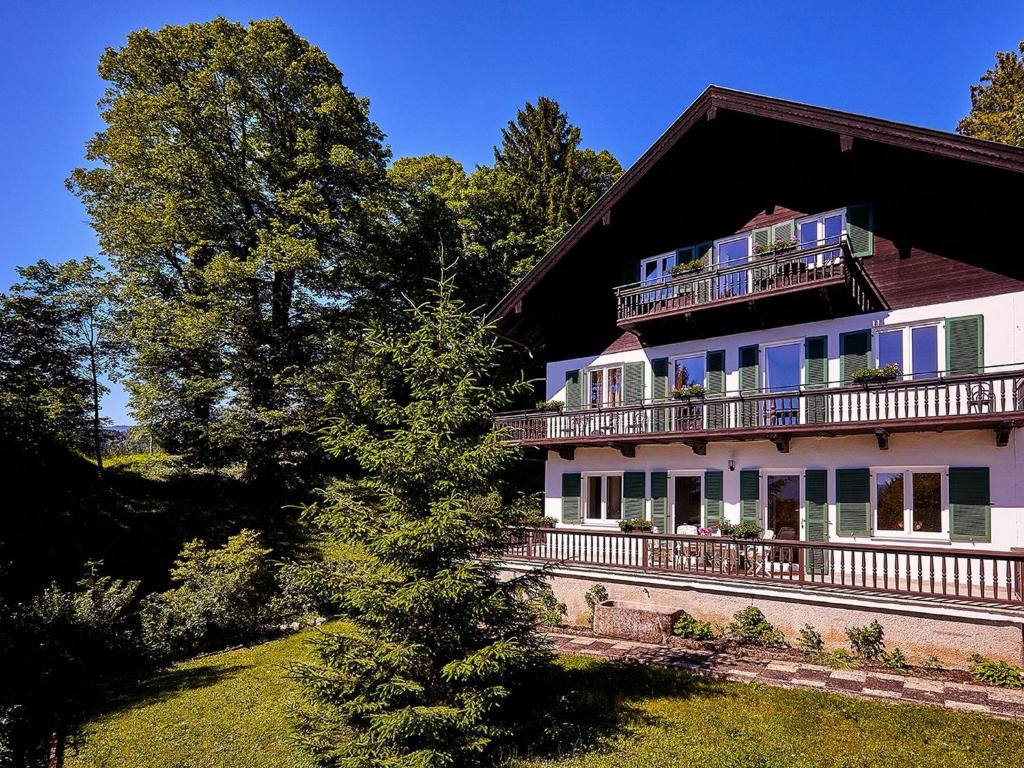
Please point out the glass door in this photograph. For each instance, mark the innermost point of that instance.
(655, 271)
(783, 506)
(685, 502)
(729, 254)
(782, 374)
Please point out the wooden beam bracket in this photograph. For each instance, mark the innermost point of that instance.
(567, 452)
(781, 442)
(882, 436)
(628, 450)
(1003, 431)
(699, 447)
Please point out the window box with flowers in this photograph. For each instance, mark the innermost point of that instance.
(882, 375)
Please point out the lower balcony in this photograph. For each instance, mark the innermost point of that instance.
(979, 401)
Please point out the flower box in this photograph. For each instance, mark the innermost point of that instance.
(881, 375)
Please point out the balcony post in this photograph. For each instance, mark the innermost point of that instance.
(529, 542)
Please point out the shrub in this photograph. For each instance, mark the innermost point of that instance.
(689, 628)
(840, 658)
(750, 626)
(809, 639)
(747, 530)
(996, 672)
(628, 526)
(868, 642)
(894, 659)
(596, 594)
(550, 611)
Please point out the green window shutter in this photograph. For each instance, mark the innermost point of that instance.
(633, 383)
(854, 353)
(860, 226)
(816, 516)
(816, 377)
(750, 502)
(704, 251)
(970, 505)
(715, 388)
(853, 502)
(760, 238)
(783, 231)
(748, 358)
(631, 272)
(659, 391)
(574, 389)
(571, 482)
(965, 344)
(659, 500)
(713, 498)
(634, 491)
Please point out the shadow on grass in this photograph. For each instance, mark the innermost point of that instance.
(578, 703)
(167, 685)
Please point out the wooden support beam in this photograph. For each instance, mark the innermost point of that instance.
(882, 436)
(712, 112)
(628, 450)
(606, 218)
(781, 442)
(567, 452)
(845, 142)
(699, 447)
(1003, 433)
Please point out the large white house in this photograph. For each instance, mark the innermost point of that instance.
(800, 319)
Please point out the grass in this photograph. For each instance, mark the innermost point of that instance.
(230, 710)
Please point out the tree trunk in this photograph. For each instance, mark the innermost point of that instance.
(97, 442)
(56, 750)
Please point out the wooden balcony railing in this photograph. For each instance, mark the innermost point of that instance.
(952, 400)
(981, 576)
(824, 263)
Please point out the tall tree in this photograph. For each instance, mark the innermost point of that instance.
(229, 189)
(997, 103)
(436, 642)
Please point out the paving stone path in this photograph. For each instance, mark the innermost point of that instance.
(990, 700)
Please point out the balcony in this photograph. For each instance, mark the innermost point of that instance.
(756, 293)
(992, 400)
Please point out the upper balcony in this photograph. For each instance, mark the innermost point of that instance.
(756, 292)
(990, 400)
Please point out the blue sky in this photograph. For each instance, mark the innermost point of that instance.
(444, 77)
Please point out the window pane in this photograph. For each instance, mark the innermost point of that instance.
(924, 347)
(687, 501)
(889, 486)
(784, 505)
(734, 251)
(651, 270)
(614, 386)
(927, 502)
(614, 497)
(890, 348)
(596, 387)
(833, 228)
(782, 368)
(808, 234)
(594, 498)
(690, 370)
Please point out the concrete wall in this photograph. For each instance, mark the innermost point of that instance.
(952, 636)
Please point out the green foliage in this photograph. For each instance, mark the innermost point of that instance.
(223, 595)
(840, 658)
(694, 265)
(997, 103)
(230, 190)
(550, 610)
(550, 405)
(638, 525)
(894, 659)
(691, 391)
(809, 639)
(597, 593)
(438, 643)
(690, 628)
(745, 530)
(776, 247)
(885, 373)
(751, 626)
(995, 672)
(868, 642)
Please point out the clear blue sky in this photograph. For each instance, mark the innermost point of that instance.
(444, 77)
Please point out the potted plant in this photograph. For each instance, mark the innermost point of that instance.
(747, 530)
(633, 526)
(881, 375)
(770, 249)
(689, 392)
(550, 405)
(687, 267)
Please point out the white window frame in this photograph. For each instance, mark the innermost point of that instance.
(748, 236)
(907, 329)
(819, 218)
(672, 475)
(672, 367)
(585, 494)
(763, 496)
(908, 531)
(604, 384)
(664, 266)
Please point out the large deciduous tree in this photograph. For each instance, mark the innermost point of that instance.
(229, 189)
(997, 103)
(435, 643)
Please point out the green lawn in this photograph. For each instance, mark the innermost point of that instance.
(230, 710)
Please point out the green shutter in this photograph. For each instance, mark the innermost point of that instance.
(574, 389)
(854, 353)
(783, 231)
(816, 377)
(659, 501)
(748, 358)
(715, 388)
(860, 227)
(634, 491)
(853, 502)
(816, 516)
(970, 505)
(631, 272)
(965, 344)
(750, 501)
(633, 383)
(713, 498)
(659, 391)
(571, 482)
(760, 238)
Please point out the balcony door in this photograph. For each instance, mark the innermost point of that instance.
(823, 229)
(730, 253)
(655, 271)
(686, 501)
(783, 504)
(781, 374)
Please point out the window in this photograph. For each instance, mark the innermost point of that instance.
(732, 251)
(603, 497)
(781, 373)
(782, 505)
(909, 501)
(914, 348)
(656, 268)
(686, 501)
(689, 370)
(821, 229)
(605, 386)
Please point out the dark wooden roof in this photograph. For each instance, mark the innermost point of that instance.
(715, 100)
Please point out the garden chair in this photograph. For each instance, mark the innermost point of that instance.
(981, 397)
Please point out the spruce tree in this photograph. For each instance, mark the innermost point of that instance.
(997, 103)
(425, 669)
